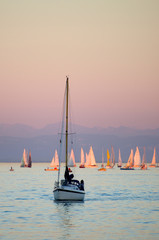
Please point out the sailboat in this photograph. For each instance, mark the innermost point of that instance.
(88, 163)
(130, 162)
(90, 159)
(24, 162)
(144, 165)
(68, 189)
(102, 165)
(119, 160)
(108, 162)
(153, 163)
(71, 160)
(82, 165)
(137, 159)
(54, 163)
(112, 158)
(29, 160)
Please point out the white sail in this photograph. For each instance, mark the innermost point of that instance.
(130, 159)
(71, 161)
(92, 157)
(137, 158)
(25, 158)
(52, 162)
(88, 163)
(119, 159)
(56, 159)
(82, 156)
(153, 163)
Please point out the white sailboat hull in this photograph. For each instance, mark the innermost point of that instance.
(66, 193)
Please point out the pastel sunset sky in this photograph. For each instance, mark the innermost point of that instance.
(109, 49)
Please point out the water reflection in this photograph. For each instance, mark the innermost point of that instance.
(66, 212)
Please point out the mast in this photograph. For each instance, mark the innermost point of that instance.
(66, 160)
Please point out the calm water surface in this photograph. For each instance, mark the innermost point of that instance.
(118, 205)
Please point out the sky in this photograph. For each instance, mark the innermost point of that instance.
(108, 48)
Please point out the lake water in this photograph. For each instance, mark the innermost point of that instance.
(118, 205)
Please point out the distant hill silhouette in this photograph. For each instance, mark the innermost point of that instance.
(44, 141)
(20, 130)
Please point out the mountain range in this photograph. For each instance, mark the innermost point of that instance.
(44, 141)
(25, 131)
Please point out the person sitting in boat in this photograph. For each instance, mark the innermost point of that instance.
(68, 177)
(82, 185)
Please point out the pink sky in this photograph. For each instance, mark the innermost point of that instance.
(109, 49)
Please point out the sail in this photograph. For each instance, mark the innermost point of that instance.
(82, 156)
(113, 156)
(119, 159)
(22, 163)
(108, 157)
(52, 162)
(88, 163)
(92, 157)
(56, 159)
(29, 161)
(130, 159)
(71, 161)
(153, 163)
(25, 158)
(144, 158)
(137, 158)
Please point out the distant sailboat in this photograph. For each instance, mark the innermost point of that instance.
(54, 163)
(108, 162)
(112, 158)
(137, 159)
(119, 160)
(24, 162)
(82, 165)
(56, 159)
(130, 162)
(71, 160)
(102, 165)
(153, 163)
(88, 163)
(29, 160)
(92, 161)
(144, 165)
(11, 169)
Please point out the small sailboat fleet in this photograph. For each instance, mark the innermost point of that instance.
(54, 163)
(67, 189)
(26, 161)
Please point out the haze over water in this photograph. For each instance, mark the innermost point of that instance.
(118, 205)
